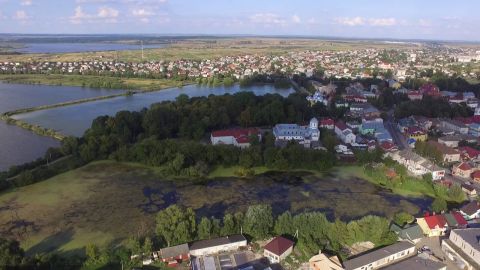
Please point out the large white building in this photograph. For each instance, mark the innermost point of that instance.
(304, 135)
(463, 247)
(217, 245)
(344, 133)
(381, 257)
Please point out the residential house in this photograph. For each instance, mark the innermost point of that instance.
(463, 169)
(454, 140)
(217, 245)
(416, 133)
(416, 164)
(381, 257)
(469, 153)
(175, 254)
(238, 137)
(344, 133)
(415, 95)
(388, 146)
(455, 220)
(327, 123)
(457, 126)
(474, 129)
(412, 233)
(322, 262)
(469, 190)
(476, 176)
(278, 249)
(448, 154)
(471, 210)
(435, 225)
(307, 136)
(417, 263)
(463, 245)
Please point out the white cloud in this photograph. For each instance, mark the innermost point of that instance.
(267, 19)
(424, 23)
(21, 15)
(104, 14)
(26, 3)
(143, 14)
(382, 21)
(359, 21)
(296, 19)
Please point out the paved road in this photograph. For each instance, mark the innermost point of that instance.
(397, 136)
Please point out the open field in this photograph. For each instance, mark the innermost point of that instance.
(108, 201)
(91, 81)
(210, 48)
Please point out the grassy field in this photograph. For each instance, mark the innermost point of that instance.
(208, 49)
(106, 201)
(87, 81)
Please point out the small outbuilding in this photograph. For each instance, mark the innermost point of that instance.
(278, 249)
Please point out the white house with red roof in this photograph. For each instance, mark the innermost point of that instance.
(239, 137)
(327, 123)
(344, 133)
(463, 169)
(278, 249)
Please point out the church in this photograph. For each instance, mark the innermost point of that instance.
(308, 136)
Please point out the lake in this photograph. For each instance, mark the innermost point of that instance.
(17, 145)
(75, 119)
(82, 47)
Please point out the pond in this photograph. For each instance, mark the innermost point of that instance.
(75, 119)
(17, 145)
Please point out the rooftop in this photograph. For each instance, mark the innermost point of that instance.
(416, 263)
(279, 245)
(217, 241)
(377, 255)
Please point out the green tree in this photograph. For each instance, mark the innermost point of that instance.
(284, 224)
(439, 205)
(403, 218)
(11, 255)
(204, 229)
(228, 225)
(147, 246)
(258, 221)
(176, 225)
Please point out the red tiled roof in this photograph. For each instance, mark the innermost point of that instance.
(476, 174)
(414, 130)
(460, 220)
(279, 245)
(241, 134)
(434, 221)
(327, 122)
(341, 125)
(464, 166)
(471, 152)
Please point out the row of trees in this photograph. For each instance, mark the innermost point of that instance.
(311, 230)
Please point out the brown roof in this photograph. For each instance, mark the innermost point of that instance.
(470, 208)
(279, 245)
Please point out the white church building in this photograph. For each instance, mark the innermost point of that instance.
(307, 136)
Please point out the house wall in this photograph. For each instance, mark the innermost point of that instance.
(451, 158)
(460, 243)
(453, 144)
(218, 249)
(223, 140)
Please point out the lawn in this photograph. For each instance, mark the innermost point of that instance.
(91, 81)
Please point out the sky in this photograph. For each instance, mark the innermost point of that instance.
(396, 19)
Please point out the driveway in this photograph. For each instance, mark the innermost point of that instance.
(434, 243)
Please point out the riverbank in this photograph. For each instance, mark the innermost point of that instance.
(91, 81)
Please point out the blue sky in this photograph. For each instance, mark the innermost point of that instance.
(404, 19)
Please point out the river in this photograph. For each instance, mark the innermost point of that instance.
(20, 146)
(75, 119)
